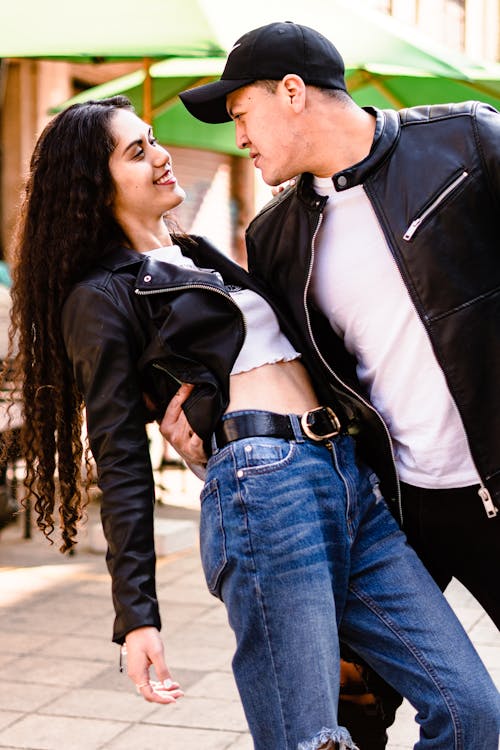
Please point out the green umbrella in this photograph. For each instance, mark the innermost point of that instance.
(97, 31)
(396, 87)
(104, 30)
(123, 29)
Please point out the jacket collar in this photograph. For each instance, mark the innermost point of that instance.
(387, 130)
(119, 256)
(153, 274)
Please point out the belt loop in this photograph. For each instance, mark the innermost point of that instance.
(297, 430)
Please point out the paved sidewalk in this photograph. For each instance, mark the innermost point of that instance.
(60, 688)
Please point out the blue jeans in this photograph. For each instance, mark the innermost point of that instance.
(299, 544)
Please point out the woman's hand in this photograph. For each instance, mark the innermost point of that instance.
(176, 429)
(144, 650)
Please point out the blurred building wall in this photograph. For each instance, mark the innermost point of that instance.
(470, 26)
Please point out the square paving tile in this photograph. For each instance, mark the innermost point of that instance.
(37, 732)
(154, 738)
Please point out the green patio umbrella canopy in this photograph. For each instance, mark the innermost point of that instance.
(394, 87)
(124, 29)
(104, 30)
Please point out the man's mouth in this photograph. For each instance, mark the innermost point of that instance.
(254, 157)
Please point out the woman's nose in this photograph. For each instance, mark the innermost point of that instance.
(162, 156)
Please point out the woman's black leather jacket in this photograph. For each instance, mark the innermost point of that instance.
(125, 319)
(433, 178)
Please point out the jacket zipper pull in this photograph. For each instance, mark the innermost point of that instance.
(122, 663)
(412, 228)
(491, 510)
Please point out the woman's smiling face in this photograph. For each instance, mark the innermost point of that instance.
(145, 187)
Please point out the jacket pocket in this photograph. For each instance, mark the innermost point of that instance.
(434, 204)
(213, 548)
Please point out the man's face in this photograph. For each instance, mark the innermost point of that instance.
(265, 124)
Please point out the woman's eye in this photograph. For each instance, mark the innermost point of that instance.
(153, 141)
(139, 153)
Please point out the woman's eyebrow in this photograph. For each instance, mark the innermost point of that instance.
(137, 142)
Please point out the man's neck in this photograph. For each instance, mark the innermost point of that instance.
(346, 142)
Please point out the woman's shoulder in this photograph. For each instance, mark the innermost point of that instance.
(105, 288)
(118, 263)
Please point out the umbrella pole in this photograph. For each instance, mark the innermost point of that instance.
(147, 105)
(362, 77)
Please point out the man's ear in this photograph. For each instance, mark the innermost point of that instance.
(295, 89)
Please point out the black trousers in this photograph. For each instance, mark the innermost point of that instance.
(454, 538)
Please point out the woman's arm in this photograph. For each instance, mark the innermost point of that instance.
(103, 348)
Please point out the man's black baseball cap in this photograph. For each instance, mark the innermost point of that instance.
(268, 53)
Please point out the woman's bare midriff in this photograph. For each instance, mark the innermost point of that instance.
(283, 387)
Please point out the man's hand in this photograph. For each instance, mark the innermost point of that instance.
(145, 649)
(176, 429)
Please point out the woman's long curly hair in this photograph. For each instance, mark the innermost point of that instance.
(64, 228)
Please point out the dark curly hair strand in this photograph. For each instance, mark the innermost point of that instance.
(65, 225)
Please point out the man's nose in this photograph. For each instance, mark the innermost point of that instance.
(241, 138)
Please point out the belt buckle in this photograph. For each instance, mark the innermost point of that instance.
(304, 423)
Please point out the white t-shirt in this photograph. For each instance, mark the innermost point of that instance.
(264, 342)
(171, 254)
(357, 285)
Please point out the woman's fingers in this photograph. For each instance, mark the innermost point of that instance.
(160, 691)
(145, 650)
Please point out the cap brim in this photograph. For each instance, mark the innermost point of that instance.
(208, 103)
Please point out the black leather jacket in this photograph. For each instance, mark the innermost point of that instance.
(433, 178)
(127, 317)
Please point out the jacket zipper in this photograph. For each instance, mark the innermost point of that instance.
(435, 203)
(157, 366)
(207, 287)
(347, 387)
(490, 508)
(484, 494)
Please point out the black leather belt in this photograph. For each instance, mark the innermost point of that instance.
(317, 424)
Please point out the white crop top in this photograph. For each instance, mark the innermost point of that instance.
(264, 341)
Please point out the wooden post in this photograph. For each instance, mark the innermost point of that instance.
(147, 96)
(243, 200)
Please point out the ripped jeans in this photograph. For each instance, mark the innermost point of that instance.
(298, 543)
